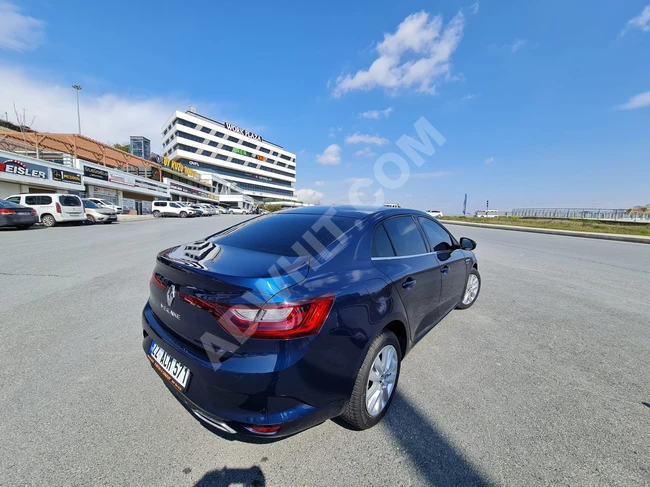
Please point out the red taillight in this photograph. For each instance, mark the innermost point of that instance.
(33, 212)
(156, 281)
(263, 430)
(274, 321)
(58, 208)
(4, 211)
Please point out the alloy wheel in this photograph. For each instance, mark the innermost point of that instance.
(472, 289)
(381, 380)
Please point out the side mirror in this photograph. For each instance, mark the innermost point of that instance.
(467, 243)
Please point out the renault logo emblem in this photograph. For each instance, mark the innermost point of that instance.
(171, 294)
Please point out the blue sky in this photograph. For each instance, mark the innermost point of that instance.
(543, 103)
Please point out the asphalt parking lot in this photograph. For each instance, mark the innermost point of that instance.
(546, 380)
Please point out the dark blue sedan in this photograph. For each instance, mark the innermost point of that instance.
(286, 320)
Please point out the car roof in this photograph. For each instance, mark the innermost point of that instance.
(350, 211)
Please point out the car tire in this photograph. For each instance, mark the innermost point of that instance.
(108, 222)
(48, 220)
(472, 289)
(91, 220)
(23, 227)
(156, 214)
(183, 214)
(357, 410)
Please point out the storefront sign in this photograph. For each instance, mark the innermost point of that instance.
(93, 172)
(20, 168)
(181, 168)
(241, 131)
(66, 176)
(124, 179)
(260, 158)
(241, 151)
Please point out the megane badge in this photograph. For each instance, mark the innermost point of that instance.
(171, 294)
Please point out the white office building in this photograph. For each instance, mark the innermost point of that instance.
(258, 167)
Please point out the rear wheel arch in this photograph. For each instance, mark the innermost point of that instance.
(399, 330)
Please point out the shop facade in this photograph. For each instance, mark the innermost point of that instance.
(23, 174)
(191, 194)
(133, 193)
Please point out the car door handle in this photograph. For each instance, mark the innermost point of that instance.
(445, 269)
(409, 283)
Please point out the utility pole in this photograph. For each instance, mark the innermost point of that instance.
(78, 88)
(487, 205)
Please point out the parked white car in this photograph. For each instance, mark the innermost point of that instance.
(487, 214)
(238, 211)
(220, 209)
(435, 213)
(171, 208)
(52, 208)
(106, 204)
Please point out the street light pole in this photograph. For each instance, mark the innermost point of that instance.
(78, 88)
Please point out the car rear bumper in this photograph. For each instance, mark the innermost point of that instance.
(229, 398)
(13, 220)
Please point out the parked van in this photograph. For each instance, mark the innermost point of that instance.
(106, 204)
(52, 208)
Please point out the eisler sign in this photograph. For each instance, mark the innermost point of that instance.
(20, 168)
(241, 131)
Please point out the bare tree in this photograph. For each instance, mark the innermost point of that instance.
(22, 122)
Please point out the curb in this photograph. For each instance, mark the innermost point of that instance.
(133, 218)
(550, 231)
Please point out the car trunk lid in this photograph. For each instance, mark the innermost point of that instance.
(193, 283)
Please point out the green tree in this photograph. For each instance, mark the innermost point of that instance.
(124, 147)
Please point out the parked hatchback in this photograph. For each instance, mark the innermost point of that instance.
(52, 208)
(255, 335)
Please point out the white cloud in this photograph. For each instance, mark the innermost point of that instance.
(638, 101)
(420, 35)
(309, 195)
(468, 97)
(376, 114)
(518, 44)
(332, 132)
(358, 138)
(365, 152)
(19, 32)
(474, 8)
(319, 183)
(330, 156)
(641, 21)
(107, 117)
(489, 160)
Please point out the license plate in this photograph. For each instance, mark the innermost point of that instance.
(170, 368)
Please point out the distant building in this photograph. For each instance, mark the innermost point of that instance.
(259, 168)
(141, 147)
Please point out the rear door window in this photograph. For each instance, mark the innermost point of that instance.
(14, 199)
(44, 200)
(67, 200)
(405, 236)
(32, 200)
(381, 246)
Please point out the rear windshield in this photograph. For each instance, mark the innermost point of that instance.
(9, 204)
(279, 233)
(69, 201)
(90, 204)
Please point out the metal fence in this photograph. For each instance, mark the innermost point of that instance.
(634, 215)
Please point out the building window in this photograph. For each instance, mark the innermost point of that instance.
(233, 139)
(213, 143)
(222, 157)
(265, 150)
(219, 134)
(275, 153)
(237, 161)
(248, 144)
(180, 121)
(206, 153)
(226, 147)
(286, 158)
(191, 137)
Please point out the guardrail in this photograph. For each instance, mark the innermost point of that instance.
(634, 215)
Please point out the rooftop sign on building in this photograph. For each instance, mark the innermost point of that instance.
(241, 131)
